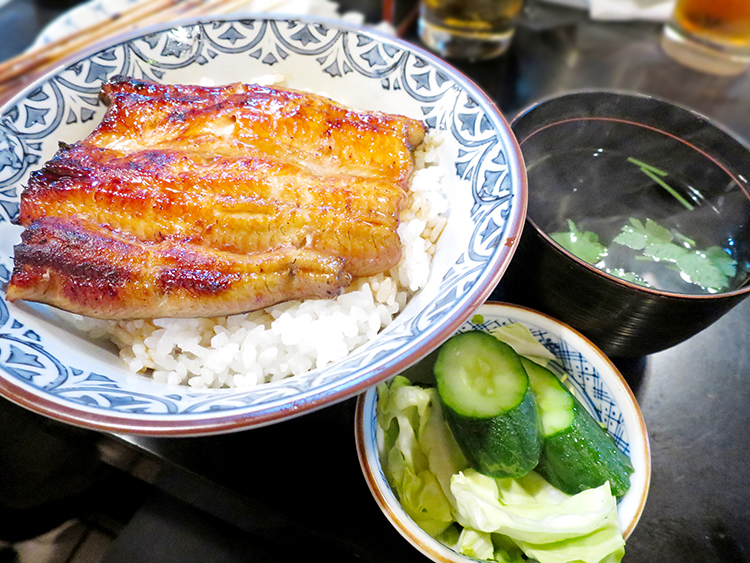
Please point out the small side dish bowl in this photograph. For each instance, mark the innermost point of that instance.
(54, 370)
(627, 190)
(597, 383)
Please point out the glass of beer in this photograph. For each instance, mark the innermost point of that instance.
(712, 36)
(469, 29)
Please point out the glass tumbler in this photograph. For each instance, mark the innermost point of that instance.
(711, 36)
(468, 29)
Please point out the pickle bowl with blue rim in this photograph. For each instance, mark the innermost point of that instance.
(638, 227)
(592, 377)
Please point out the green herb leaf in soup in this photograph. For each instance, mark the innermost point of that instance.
(584, 244)
(638, 235)
(701, 270)
(710, 269)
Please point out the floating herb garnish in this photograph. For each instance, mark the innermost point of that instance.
(643, 166)
(583, 244)
(656, 175)
(710, 268)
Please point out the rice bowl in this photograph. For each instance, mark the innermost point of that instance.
(51, 367)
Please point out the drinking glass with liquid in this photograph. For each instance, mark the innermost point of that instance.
(712, 36)
(469, 29)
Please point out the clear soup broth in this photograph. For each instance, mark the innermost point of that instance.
(639, 204)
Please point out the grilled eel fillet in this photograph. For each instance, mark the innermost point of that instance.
(191, 201)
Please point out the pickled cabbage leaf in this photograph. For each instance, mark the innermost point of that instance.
(418, 453)
(518, 337)
(546, 524)
(475, 544)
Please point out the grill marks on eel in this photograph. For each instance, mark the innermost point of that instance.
(193, 201)
(83, 267)
(235, 204)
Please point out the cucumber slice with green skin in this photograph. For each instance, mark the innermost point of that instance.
(488, 404)
(577, 453)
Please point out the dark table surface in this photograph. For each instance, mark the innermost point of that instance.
(298, 485)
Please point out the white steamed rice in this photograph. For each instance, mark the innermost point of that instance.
(292, 338)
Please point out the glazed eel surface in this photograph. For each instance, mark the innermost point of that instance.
(190, 201)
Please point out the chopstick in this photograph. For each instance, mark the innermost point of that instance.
(144, 12)
(389, 11)
(218, 7)
(408, 21)
(140, 11)
(388, 15)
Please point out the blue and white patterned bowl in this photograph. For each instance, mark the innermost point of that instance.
(597, 383)
(52, 371)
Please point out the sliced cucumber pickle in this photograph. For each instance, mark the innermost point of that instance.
(489, 404)
(577, 453)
